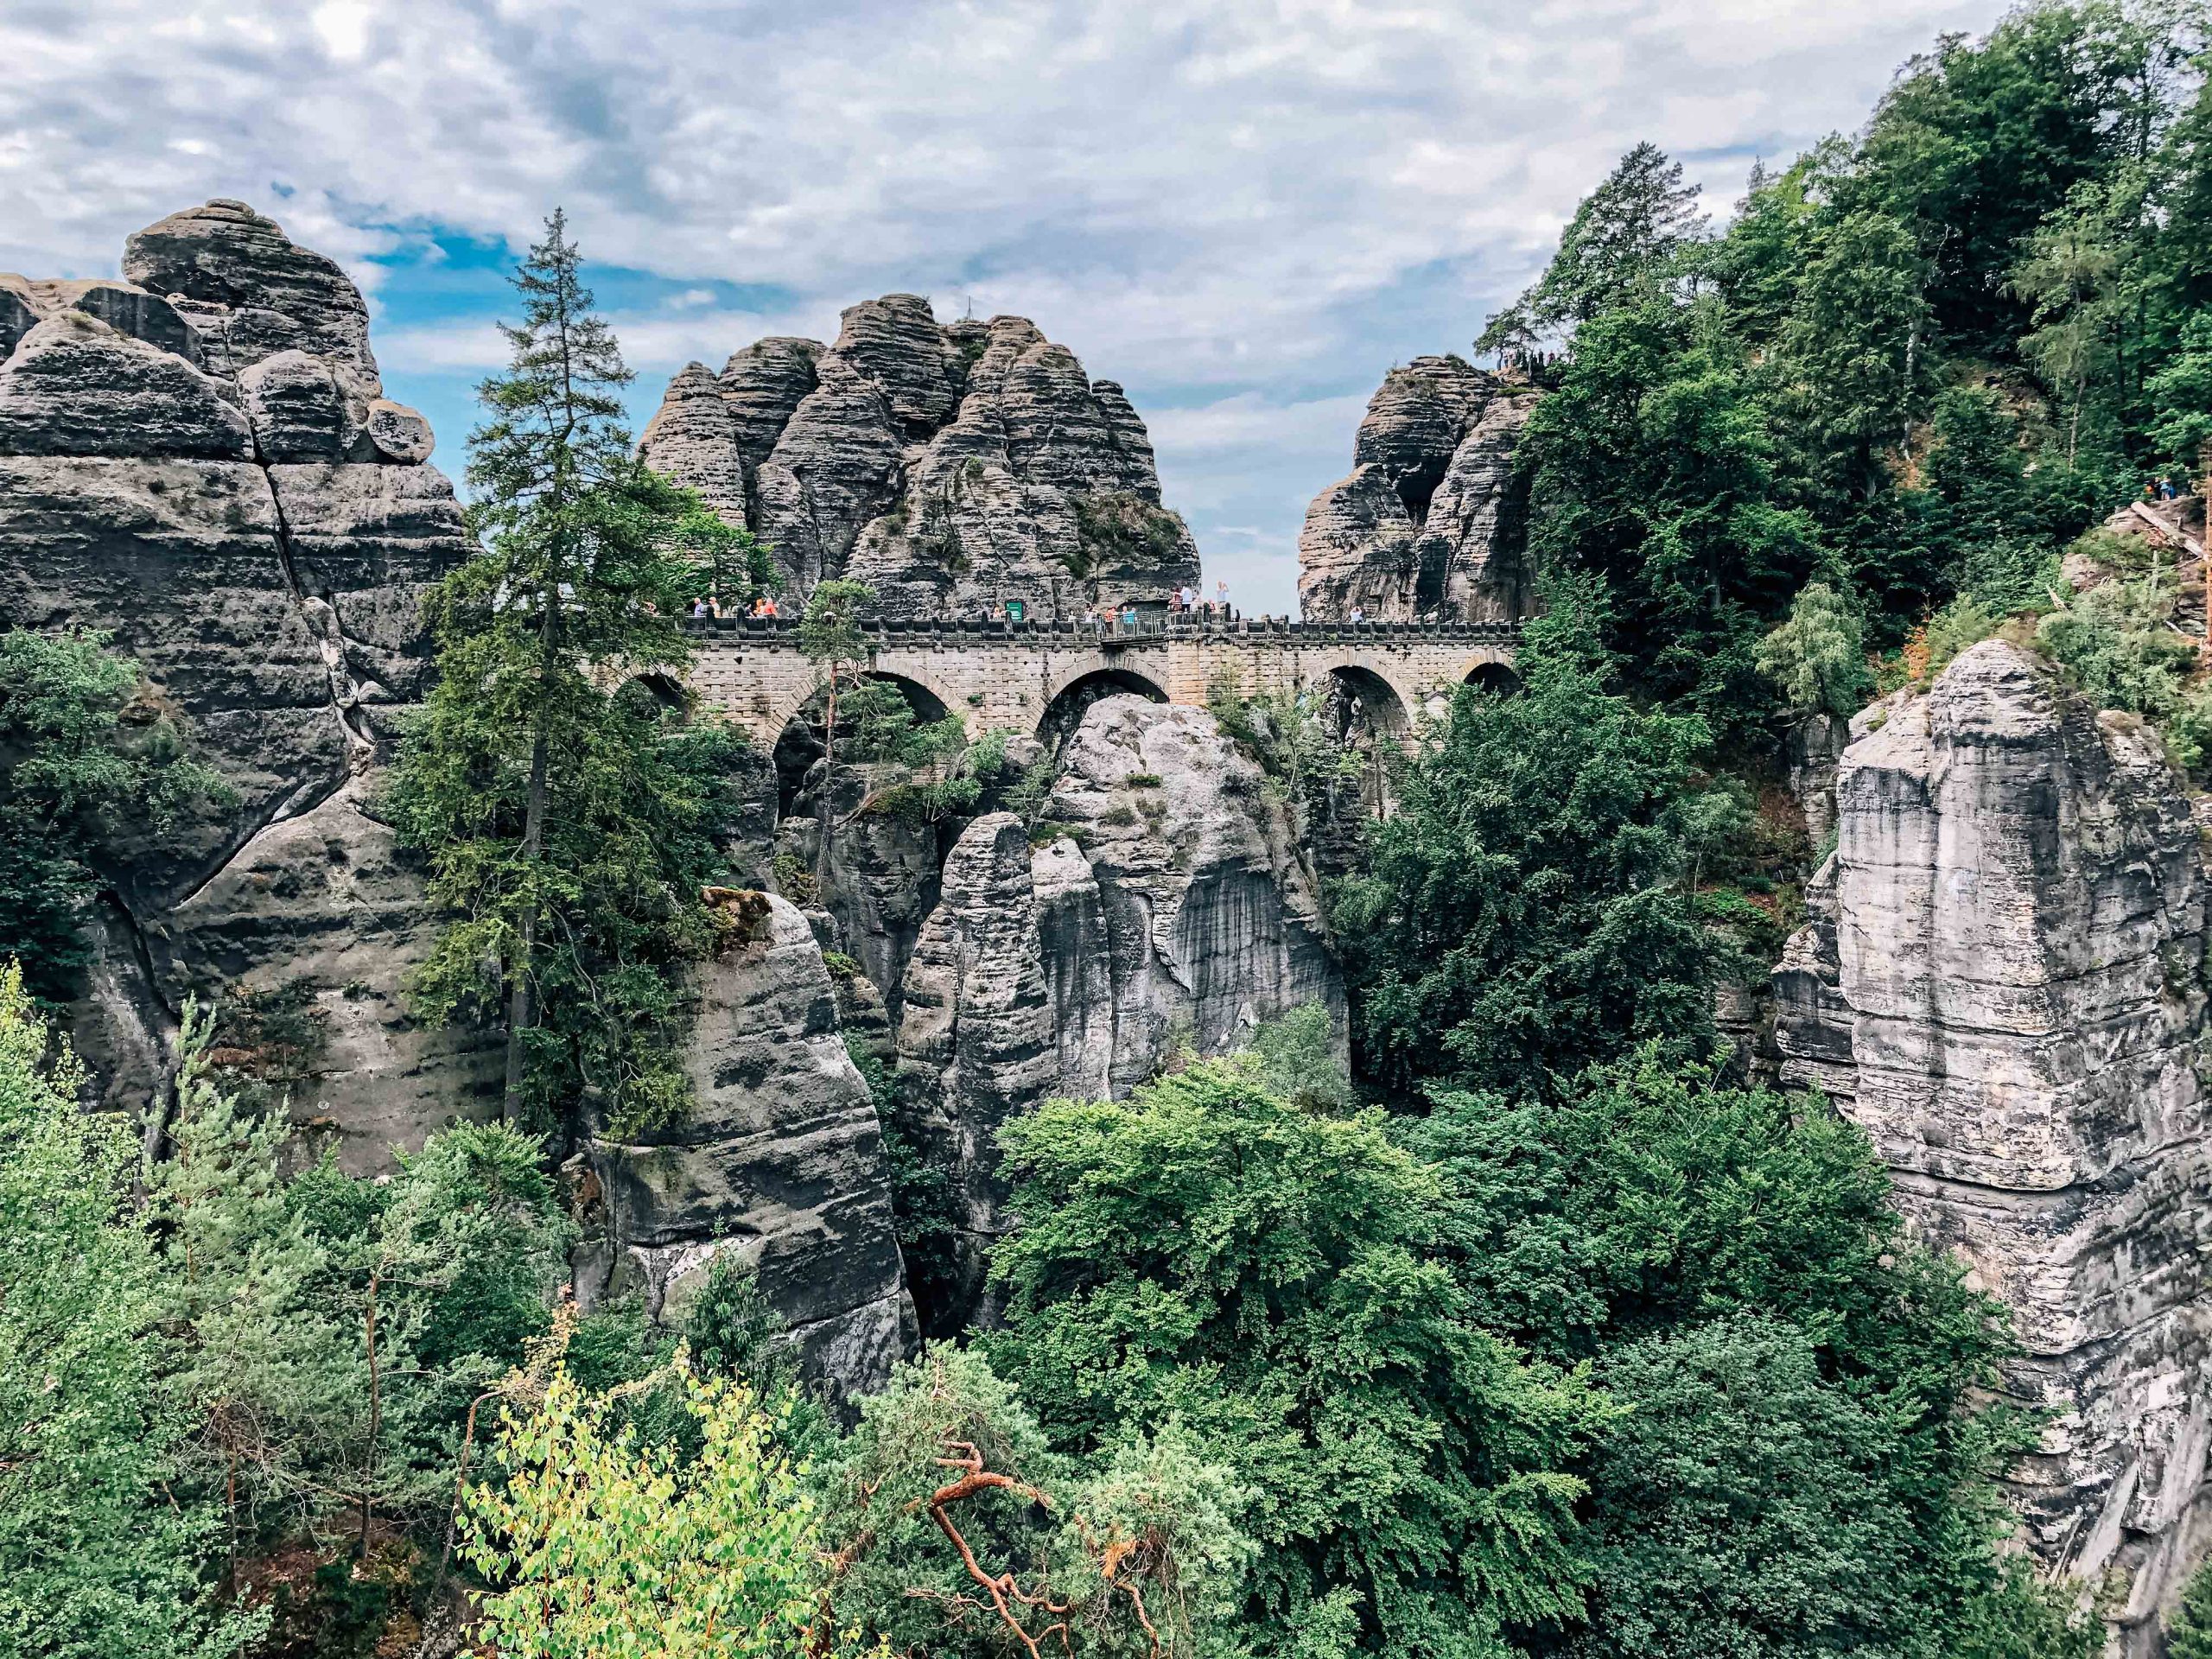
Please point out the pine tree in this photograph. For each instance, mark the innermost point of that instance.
(567, 820)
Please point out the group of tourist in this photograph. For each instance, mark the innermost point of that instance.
(1181, 601)
(708, 605)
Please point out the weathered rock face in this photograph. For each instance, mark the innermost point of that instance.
(252, 291)
(977, 1044)
(952, 467)
(1206, 905)
(1428, 524)
(2003, 983)
(1058, 971)
(878, 883)
(215, 478)
(782, 1161)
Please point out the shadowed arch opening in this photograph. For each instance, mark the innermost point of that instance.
(1494, 677)
(1363, 713)
(1065, 711)
(801, 744)
(655, 694)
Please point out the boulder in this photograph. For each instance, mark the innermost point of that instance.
(401, 435)
(75, 386)
(298, 410)
(2002, 979)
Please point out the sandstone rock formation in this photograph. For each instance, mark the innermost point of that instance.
(2003, 983)
(201, 461)
(782, 1161)
(952, 467)
(249, 541)
(1178, 910)
(1206, 907)
(976, 1045)
(1428, 523)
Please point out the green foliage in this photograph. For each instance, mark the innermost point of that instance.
(1655, 465)
(2188, 1634)
(1623, 240)
(2114, 643)
(566, 821)
(90, 755)
(438, 1276)
(1819, 656)
(924, 1209)
(1299, 1060)
(1121, 530)
(97, 1561)
(1533, 904)
(254, 1360)
(1919, 362)
(599, 1543)
(1209, 1253)
(1151, 1534)
(1793, 1366)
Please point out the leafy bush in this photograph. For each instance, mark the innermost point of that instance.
(90, 754)
(1819, 656)
(596, 1543)
(2115, 646)
(1209, 1253)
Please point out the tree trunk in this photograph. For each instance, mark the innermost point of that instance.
(829, 807)
(522, 1000)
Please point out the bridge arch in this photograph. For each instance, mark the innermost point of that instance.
(799, 733)
(1498, 677)
(1064, 712)
(1359, 703)
(664, 691)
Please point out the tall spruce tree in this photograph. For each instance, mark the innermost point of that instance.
(566, 817)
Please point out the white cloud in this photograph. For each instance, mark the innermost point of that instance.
(1244, 209)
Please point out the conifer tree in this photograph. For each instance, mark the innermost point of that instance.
(567, 819)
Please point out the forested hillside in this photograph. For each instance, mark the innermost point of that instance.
(1490, 1305)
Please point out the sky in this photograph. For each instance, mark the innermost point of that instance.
(1245, 211)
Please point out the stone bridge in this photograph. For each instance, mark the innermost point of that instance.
(1024, 675)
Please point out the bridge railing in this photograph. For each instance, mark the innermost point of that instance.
(773, 632)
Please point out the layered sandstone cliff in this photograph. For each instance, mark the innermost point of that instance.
(1428, 525)
(781, 1163)
(199, 460)
(952, 467)
(1170, 907)
(2003, 983)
